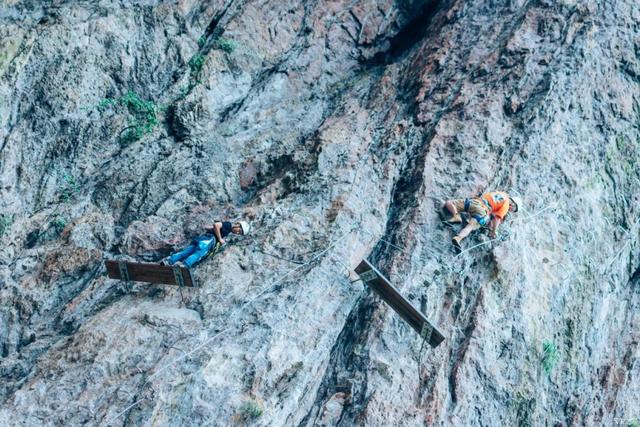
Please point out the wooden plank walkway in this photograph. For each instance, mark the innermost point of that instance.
(150, 273)
(381, 285)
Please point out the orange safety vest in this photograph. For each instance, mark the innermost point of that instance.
(498, 201)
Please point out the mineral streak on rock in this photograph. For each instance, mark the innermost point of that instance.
(335, 127)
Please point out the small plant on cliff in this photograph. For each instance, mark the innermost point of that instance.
(58, 224)
(224, 44)
(196, 63)
(144, 115)
(69, 188)
(249, 410)
(5, 223)
(549, 356)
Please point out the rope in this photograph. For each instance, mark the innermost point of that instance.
(400, 248)
(553, 205)
(279, 257)
(477, 246)
(245, 305)
(420, 362)
(629, 240)
(424, 341)
(227, 329)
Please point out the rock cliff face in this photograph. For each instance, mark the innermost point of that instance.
(335, 127)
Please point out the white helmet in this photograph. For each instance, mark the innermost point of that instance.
(246, 228)
(517, 201)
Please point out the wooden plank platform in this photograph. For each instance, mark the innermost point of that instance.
(381, 285)
(150, 273)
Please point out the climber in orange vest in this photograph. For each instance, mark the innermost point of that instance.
(486, 210)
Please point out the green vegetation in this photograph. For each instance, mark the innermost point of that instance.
(58, 224)
(184, 91)
(144, 115)
(224, 44)
(195, 63)
(634, 422)
(250, 410)
(131, 134)
(5, 223)
(53, 230)
(70, 187)
(107, 102)
(549, 356)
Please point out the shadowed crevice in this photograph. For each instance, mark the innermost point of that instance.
(415, 31)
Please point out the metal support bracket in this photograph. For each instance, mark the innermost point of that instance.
(426, 332)
(177, 274)
(368, 276)
(124, 271)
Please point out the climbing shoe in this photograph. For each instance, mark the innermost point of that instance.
(456, 244)
(456, 219)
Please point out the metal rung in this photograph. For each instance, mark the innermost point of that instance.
(177, 274)
(124, 271)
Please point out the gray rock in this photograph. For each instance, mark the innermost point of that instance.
(125, 128)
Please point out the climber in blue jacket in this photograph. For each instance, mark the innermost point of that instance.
(202, 245)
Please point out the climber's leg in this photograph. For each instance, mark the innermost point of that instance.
(178, 256)
(454, 207)
(198, 254)
(472, 225)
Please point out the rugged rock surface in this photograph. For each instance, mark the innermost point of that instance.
(335, 127)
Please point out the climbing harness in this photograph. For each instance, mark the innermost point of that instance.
(217, 248)
(224, 331)
(266, 289)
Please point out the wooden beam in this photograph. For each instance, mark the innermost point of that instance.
(381, 285)
(150, 273)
